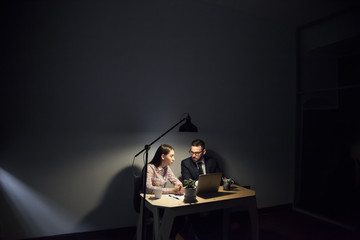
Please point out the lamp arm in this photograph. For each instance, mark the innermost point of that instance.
(147, 147)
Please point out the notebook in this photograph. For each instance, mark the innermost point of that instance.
(208, 183)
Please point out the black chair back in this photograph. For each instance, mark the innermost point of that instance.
(137, 191)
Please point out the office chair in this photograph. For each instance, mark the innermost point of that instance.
(137, 202)
(137, 191)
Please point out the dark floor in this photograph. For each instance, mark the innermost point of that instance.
(278, 223)
(286, 224)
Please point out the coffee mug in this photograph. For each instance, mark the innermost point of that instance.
(158, 192)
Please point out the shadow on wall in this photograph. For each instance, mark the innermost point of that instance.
(116, 208)
(219, 159)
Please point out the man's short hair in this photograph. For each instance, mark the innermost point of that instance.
(197, 143)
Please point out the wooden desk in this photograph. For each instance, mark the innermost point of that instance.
(238, 198)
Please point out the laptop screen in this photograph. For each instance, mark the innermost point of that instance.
(208, 183)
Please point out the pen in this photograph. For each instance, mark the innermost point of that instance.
(174, 197)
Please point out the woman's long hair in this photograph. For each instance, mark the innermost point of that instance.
(162, 149)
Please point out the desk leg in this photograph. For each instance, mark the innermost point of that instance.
(226, 223)
(167, 224)
(253, 213)
(156, 223)
(139, 228)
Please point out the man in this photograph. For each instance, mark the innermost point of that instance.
(198, 163)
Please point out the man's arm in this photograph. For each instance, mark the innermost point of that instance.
(213, 165)
(185, 171)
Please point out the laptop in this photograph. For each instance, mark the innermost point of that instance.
(208, 183)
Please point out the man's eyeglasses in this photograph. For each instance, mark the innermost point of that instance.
(195, 153)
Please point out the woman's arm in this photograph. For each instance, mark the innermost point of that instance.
(149, 176)
(154, 180)
(172, 178)
(178, 189)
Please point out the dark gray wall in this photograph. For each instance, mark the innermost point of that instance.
(86, 84)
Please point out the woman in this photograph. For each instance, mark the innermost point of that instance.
(159, 172)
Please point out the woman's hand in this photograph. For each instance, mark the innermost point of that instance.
(181, 191)
(178, 189)
(173, 190)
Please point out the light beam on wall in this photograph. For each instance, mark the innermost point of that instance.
(34, 213)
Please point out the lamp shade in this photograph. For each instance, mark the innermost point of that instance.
(188, 126)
